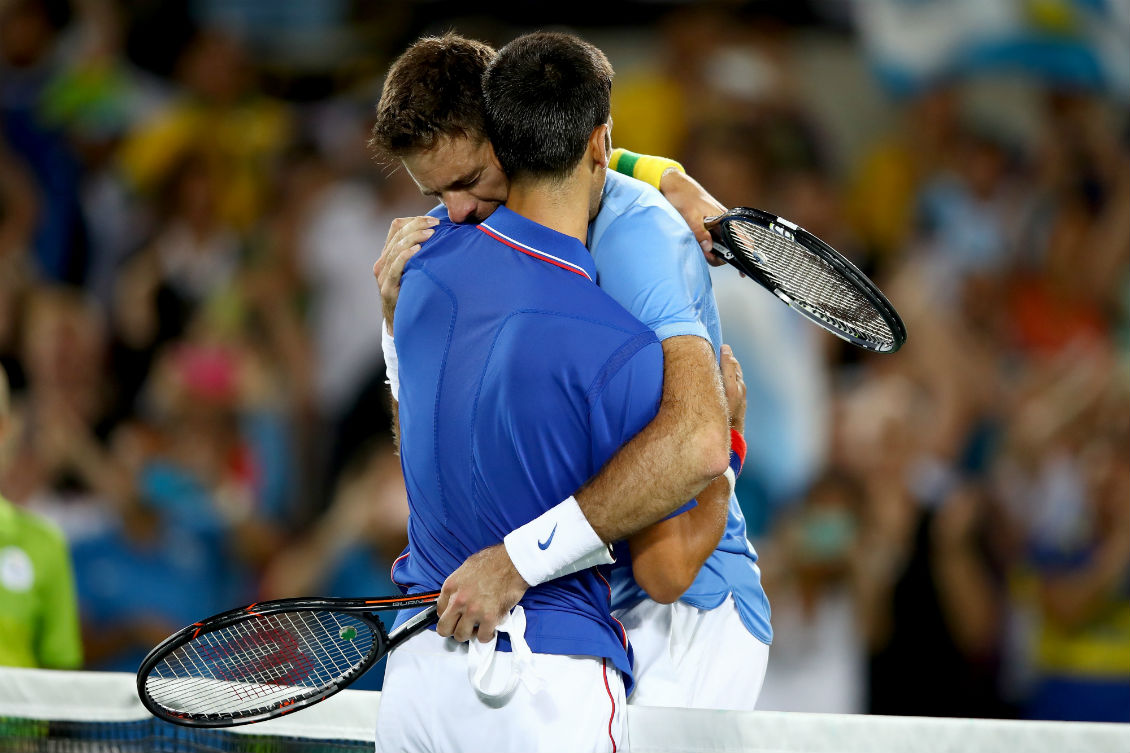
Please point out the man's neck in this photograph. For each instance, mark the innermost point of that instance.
(559, 205)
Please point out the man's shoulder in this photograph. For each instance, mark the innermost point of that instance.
(448, 235)
(632, 212)
(627, 197)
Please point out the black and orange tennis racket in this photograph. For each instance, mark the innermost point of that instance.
(810, 276)
(271, 658)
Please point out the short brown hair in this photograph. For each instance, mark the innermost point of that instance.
(433, 89)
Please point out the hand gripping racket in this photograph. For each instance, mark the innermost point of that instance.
(809, 275)
(268, 659)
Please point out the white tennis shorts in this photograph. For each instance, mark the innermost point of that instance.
(429, 704)
(694, 658)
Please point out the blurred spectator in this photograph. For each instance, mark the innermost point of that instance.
(191, 535)
(18, 211)
(30, 58)
(218, 456)
(96, 98)
(221, 116)
(886, 179)
(946, 595)
(814, 567)
(38, 610)
(350, 550)
(937, 561)
(344, 226)
(1067, 478)
(969, 216)
(193, 259)
(141, 578)
(66, 406)
(1072, 282)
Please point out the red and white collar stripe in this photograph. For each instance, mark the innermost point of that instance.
(519, 246)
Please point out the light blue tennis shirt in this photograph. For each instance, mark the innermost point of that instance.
(649, 261)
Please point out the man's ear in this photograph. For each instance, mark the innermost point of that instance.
(492, 156)
(600, 144)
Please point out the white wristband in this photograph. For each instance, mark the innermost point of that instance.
(388, 345)
(557, 542)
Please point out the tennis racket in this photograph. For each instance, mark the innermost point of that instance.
(809, 275)
(271, 658)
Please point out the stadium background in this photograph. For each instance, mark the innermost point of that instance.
(188, 220)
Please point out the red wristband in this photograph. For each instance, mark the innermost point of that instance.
(737, 451)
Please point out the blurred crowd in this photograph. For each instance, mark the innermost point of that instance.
(190, 331)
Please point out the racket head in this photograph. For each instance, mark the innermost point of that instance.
(266, 660)
(810, 276)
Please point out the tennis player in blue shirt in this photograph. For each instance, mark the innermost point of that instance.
(648, 256)
(519, 379)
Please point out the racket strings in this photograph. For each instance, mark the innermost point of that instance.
(263, 662)
(811, 282)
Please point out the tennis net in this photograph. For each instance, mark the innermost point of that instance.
(99, 712)
(87, 712)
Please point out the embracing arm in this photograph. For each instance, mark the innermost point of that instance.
(683, 192)
(674, 457)
(405, 236)
(667, 555)
(668, 462)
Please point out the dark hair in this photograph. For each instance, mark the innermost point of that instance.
(433, 89)
(545, 93)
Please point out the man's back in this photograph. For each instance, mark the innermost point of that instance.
(519, 380)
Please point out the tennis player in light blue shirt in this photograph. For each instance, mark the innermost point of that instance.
(709, 648)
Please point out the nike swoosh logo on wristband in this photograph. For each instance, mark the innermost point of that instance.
(543, 545)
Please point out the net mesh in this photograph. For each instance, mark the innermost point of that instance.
(261, 662)
(814, 285)
(153, 736)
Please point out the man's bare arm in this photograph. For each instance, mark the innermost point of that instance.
(695, 204)
(667, 556)
(670, 461)
(674, 457)
(683, 192)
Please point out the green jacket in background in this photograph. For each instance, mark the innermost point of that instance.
(38, 611)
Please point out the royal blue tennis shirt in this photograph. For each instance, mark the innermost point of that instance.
(519, 379)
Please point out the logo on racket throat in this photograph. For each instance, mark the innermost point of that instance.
(543, 545)
(782, 231)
